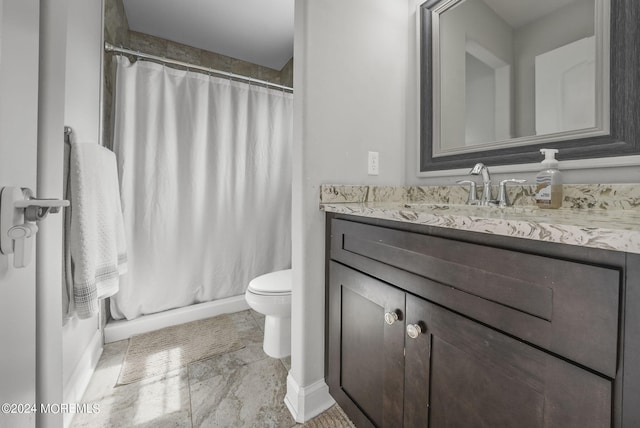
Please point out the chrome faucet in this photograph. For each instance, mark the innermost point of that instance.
(481, 169)
(487, 199)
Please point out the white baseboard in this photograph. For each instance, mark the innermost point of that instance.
(122, 329)
(307, 402)
(81, 376)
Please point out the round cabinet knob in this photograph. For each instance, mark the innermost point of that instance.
(391, 317)
(414, 330)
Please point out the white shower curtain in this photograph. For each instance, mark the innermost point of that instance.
(205, 177)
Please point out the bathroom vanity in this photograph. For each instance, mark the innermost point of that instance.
(449, 327)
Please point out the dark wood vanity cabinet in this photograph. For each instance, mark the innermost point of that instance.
(441, 328)
(369, 366)
(460, 373)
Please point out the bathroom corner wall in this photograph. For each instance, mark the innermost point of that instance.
(116, 26)
(117, 32)
(286, 74)
(350, 90)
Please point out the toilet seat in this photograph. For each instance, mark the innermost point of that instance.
(273, 283)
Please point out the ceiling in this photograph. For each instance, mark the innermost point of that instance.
(522, 12)
(257, 31)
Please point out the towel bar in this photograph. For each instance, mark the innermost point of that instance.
(67, 134)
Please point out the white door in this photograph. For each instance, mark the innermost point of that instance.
(19, 21)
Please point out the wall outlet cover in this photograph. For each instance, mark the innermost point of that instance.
(374, 163)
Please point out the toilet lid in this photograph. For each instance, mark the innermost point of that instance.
(273, 283)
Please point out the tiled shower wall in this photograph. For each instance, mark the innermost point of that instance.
(116, 32)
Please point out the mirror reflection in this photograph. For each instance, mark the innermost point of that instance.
(510, 71)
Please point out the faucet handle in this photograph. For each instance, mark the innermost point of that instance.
(473, 192)
(503, 198)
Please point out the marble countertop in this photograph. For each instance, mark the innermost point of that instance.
(609, 229)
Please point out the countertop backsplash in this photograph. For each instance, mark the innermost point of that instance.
(576, 196)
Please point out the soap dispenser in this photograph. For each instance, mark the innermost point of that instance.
(549, 182)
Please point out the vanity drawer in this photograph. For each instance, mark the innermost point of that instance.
(566, 307)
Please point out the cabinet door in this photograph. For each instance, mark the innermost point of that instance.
(365, 353)
(460, 373)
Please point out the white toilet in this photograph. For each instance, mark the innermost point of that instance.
(270, 295)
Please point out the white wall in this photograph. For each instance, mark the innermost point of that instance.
(480, 97)
(82, 342)
(350, 74)
(84, 77)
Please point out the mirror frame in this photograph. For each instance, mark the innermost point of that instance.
(624, 101)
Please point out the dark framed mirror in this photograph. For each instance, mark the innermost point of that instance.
(614, 127)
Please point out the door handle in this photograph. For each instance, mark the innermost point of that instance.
(19, 211)
(35, 209)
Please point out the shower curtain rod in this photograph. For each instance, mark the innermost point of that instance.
(108, 47)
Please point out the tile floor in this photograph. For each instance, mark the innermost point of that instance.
(243, 388)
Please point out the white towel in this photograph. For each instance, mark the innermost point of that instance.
(96, 241)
